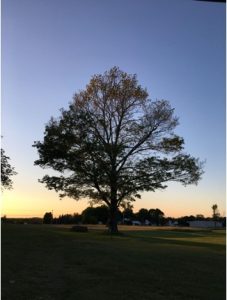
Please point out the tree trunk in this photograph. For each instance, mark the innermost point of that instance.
(113, 219)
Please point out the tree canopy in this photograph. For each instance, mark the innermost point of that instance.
(216, 213)
(48, 218)
(7, 171)
(113, 143)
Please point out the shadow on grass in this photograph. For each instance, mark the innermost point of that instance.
(191, 243)
(180, 237)
(172, 237)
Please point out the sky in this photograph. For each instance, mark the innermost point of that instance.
(50, 50)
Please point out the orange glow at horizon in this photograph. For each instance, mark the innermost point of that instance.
(34, 201)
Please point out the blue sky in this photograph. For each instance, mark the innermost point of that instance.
(50, 50)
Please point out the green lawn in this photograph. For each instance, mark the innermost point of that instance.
(53, 263)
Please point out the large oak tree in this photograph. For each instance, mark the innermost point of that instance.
(114, 142)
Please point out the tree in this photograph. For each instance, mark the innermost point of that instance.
(76, 218)
(127, 212)
(142, 215)
(216, 213)
(89, 216)
(48, 218)
(200, 217)
(184, 221)
(106, 144)
(101, 213)
(70, 219)
(156, 216)
(6, 171)
(93, 215)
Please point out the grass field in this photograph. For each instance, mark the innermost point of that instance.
(52, 263)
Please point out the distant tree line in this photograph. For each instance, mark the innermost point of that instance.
(34, 220)
(99, 215)
(125, 216)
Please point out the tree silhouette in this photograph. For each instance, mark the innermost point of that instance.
(216, 213)
(48, 218)
(127, 212)
(6, 171)
(156, 216)
(106, 144)
(142, 215)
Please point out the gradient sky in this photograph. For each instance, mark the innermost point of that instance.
(50, 50)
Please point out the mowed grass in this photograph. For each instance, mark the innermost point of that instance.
(53, 263)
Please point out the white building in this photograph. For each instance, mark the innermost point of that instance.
(136, 223)
(205, 224)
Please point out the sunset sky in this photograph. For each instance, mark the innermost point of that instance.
(50, 50)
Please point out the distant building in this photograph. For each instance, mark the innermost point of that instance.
(147, 222)
(205, 224)
(136, 223)
(126, 221)
(171, 223)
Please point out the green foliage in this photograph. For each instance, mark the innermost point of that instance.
(105, 145)
(6, 171)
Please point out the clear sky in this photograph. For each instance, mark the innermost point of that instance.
(50, 50)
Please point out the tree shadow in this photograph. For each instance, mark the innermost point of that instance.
(168, 237)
